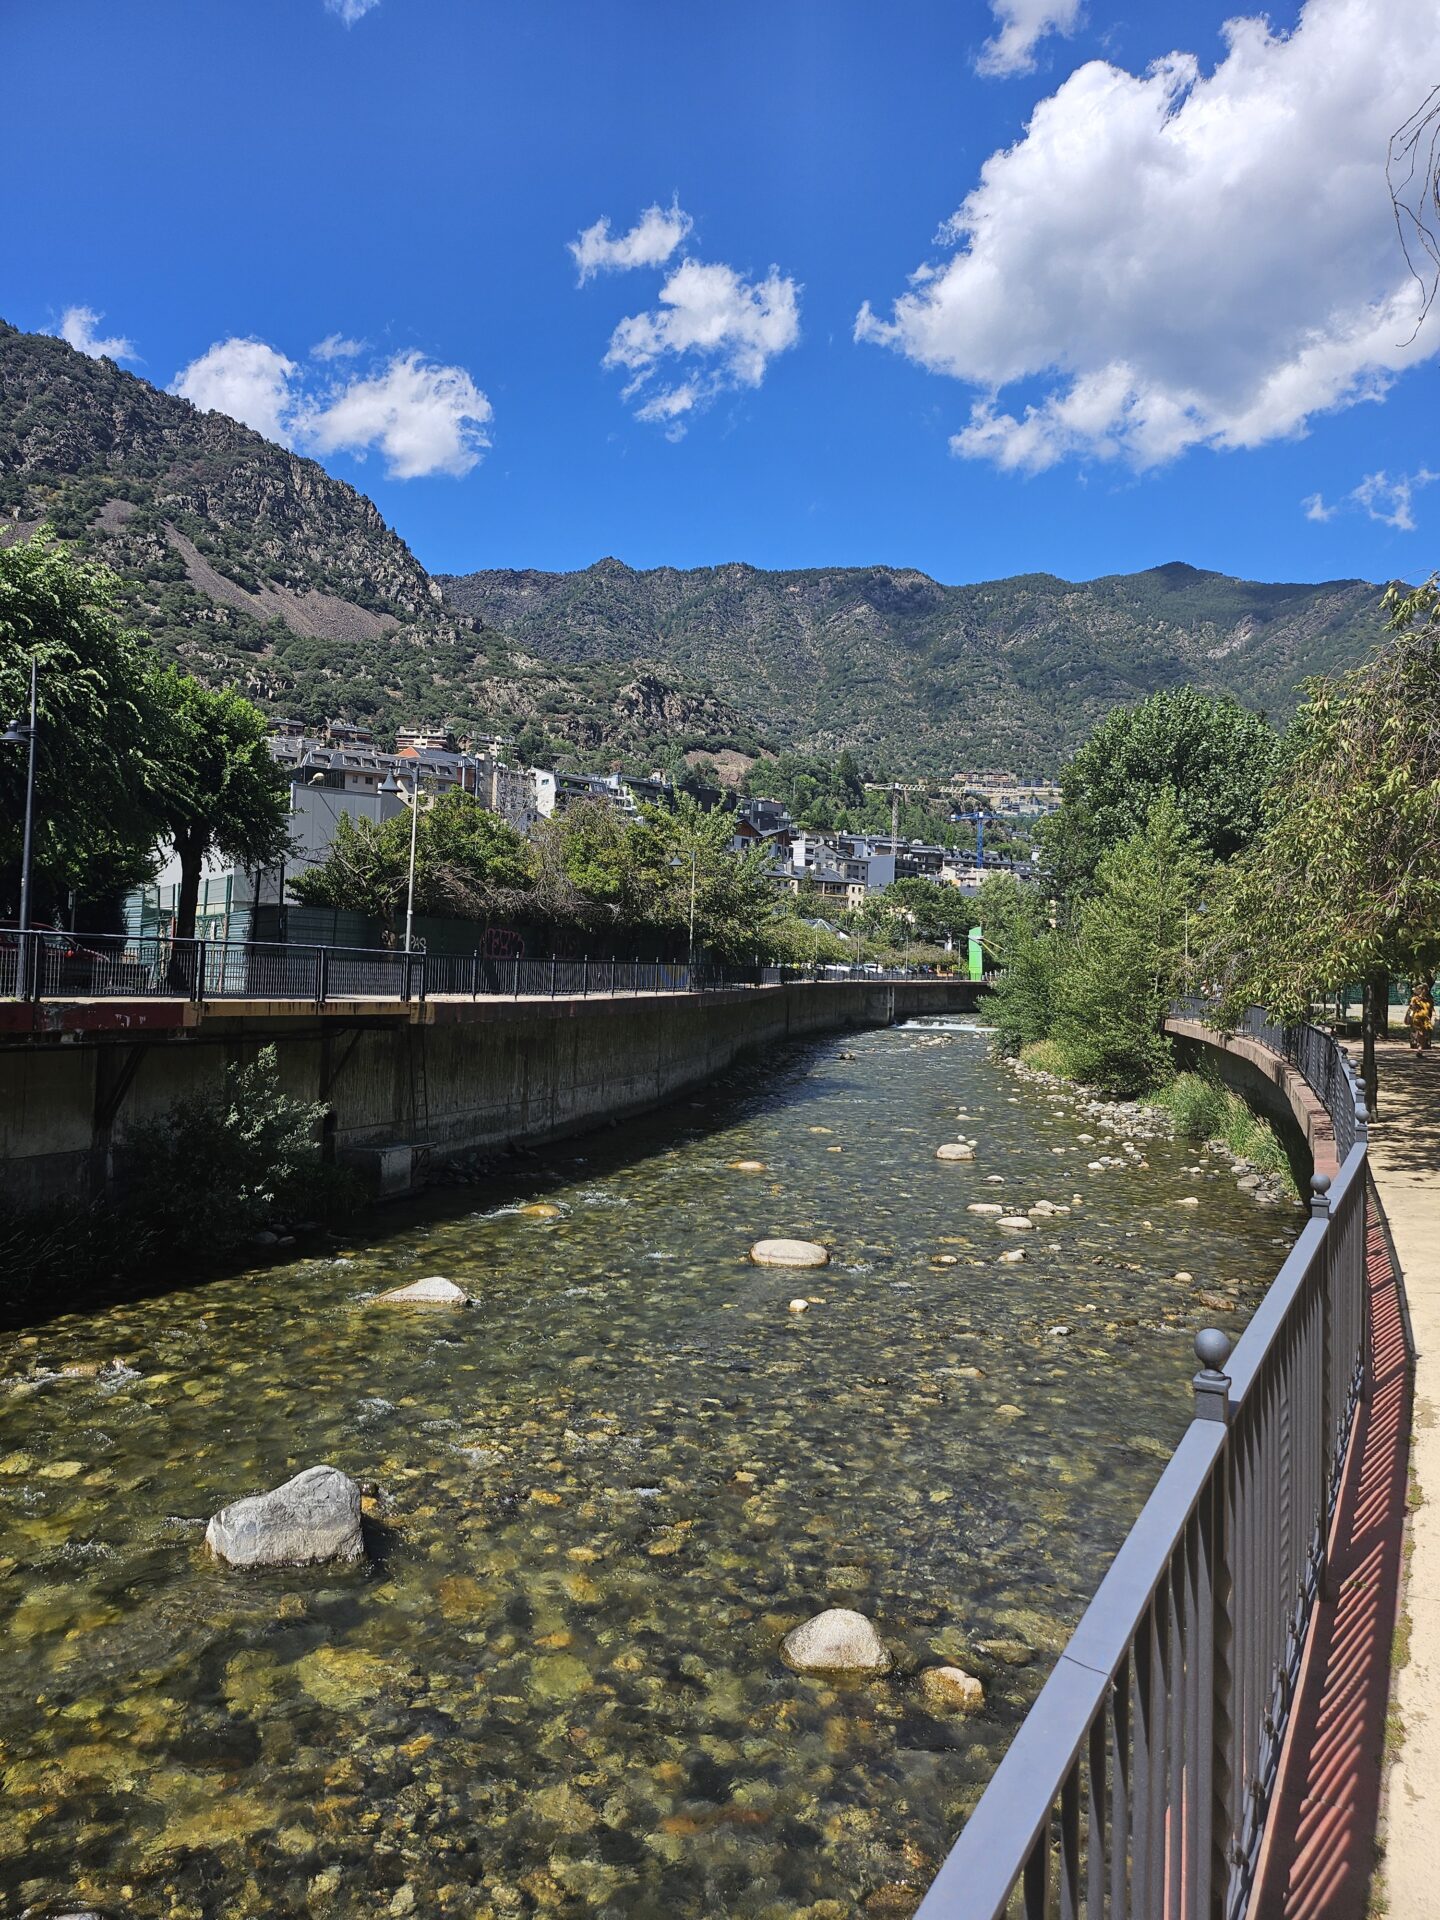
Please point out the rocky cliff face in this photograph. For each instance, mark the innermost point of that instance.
(257, 568)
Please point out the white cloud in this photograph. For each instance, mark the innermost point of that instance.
(77, 327)
(725, 329)
(350, 10)
(1023, 24)
(423, 417)
(649, 243)
(336, 347)
(1391, 502)
(1180, 259)
(245, 379)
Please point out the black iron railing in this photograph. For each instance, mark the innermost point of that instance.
(63, 966)
(1140, 1781)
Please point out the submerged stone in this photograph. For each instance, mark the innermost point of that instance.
(951, 1690)
(955, 1150)
(314, 1517)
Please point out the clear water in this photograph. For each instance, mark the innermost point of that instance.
(609, 1490)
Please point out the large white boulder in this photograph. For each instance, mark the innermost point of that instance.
(836, 1641)
(436, 1291)
(955, 1150)
(314, 1517)
(789, 1253)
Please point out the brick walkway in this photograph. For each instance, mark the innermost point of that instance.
(1320, 1854)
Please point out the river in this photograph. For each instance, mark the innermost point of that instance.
(607, 1491)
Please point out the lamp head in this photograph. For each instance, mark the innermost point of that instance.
(389, 785)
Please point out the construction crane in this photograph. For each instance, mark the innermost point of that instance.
(979, 822)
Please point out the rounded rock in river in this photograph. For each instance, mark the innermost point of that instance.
(789, 1253)
(836, 1641)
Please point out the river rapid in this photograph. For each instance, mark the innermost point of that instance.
(606, 1492)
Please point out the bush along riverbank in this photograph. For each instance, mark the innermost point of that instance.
(239, 1168)
(1190, 1107)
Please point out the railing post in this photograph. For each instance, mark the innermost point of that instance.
(475, 974)
(585, 978)
(322, 975)
(1212, 1383)
(552, 976)
(1213, 1640)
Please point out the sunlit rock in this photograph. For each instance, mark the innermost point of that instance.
(836, 1641)
(951, 1690)
(434, 1292)
(789, 1253)
(314, 1517)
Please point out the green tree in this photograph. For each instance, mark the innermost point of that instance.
(468, 864)
(221, 791)
(932, 912)
(1127, 963)
(1344, 883)
(1003, 908)
(98, 760)
(1215, 757)
(683, 867)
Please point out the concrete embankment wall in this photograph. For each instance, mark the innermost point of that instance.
(450, 1075)
(1267, 1084)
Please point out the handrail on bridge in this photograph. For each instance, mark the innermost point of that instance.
(43, 964)
(1140, 1781)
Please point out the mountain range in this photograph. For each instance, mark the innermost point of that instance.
(253, 566)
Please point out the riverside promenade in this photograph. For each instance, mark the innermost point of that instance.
(1405, 1159)
(1354, 1832)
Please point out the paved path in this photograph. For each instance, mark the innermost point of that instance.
(1405, 1158)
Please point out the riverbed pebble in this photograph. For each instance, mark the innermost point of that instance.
(799, 1306)
(747, 1166)
(1015, 1223)
(955, 1150)
(984, 1206)
(1012, 1256)
(789, 1253)
(836, 1641)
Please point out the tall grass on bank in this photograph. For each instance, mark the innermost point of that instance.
(1203, 1109)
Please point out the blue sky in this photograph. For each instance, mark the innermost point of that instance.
(1172, 324)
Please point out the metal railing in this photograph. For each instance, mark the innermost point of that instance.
(1319, 1059)
(46, 965)
(1140, 1781)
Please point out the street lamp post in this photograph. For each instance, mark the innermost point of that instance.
(390, 786)
(18, 733)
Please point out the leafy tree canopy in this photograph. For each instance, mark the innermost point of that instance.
(220, 791)
(468, 864)
(99, 759)
(1212, 755)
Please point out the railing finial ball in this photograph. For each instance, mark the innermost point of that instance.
(1212, 1349)
(1319, 1183)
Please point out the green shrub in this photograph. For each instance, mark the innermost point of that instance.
(1048, 1056)
(1022, 1006)
(1203, 1109)
(218, 1167)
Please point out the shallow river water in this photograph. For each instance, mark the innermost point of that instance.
(607, 1491)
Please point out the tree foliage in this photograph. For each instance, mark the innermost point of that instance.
(469, 864)
(1344, 882)
(1127, 963)
(221, 791)
(1212, 755)
(99, 758)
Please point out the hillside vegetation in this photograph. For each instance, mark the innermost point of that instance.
(927, 677)
(253, 567)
